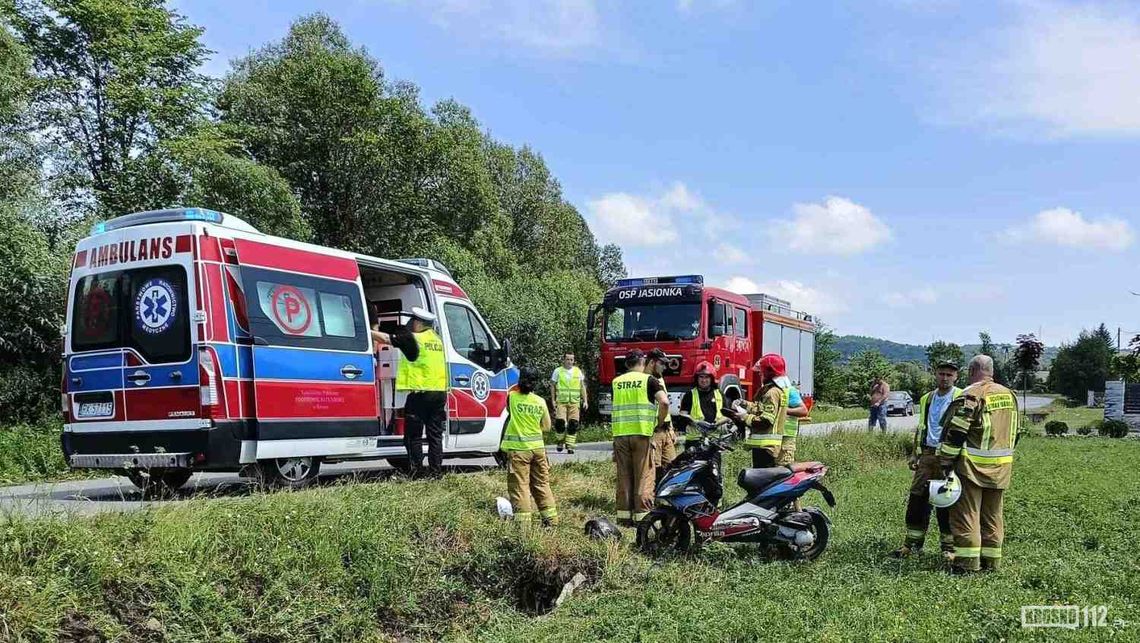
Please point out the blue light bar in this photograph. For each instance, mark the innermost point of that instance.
(653, 281)
(157, 216)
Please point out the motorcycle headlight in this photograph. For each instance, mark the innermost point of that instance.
(671, 489)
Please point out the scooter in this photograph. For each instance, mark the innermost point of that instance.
(688, 497)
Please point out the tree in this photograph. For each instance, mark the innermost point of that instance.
(1002, 374)
(940, 351)
(862, 370)
(1127, 366)
(1083, 365)
(829, 377)
(114, 78)
(1027, 357)
(913, 378)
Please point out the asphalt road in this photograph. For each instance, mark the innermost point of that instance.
(116, 493)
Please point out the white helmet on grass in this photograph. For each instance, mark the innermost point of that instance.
(944, 493)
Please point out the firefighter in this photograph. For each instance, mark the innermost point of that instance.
(568, 396)
(664, 440)
(925, 464)
(640, 405)
(764, 417)
(979, 432)
(528, 477)
(422, 374)
(797, 410)
(703, 402)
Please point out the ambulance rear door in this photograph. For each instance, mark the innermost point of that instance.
(313, 370)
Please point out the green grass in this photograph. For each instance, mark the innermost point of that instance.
(823, 413)
(428, 560)
(1075, 416)
(32, 453)
(593, 432)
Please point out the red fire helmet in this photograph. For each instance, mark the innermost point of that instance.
(771, 365)
(705, 368)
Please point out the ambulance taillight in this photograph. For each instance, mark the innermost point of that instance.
(208, 383)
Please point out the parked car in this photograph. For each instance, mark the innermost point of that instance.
(900, 402)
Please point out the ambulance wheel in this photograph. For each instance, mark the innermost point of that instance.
(501, 459)
(157, 483)
(288, 473)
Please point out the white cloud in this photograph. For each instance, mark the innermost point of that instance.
(728, 253)
(909, 299)
(1064, 227)
(1064, 69)
(633, 220)
(837, 226)
(555, 27)
(802, 297)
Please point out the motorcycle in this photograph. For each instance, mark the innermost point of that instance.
(687, 501)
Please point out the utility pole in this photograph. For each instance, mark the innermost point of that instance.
(1118, 339)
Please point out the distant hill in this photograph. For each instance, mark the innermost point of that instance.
(849, 345)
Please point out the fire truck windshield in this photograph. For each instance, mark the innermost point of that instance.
(653, 322)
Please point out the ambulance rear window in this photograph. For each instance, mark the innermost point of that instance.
(145, 309)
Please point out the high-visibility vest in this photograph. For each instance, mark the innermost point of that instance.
(791, 424)
(696, 413)
(429, 371)
(569, 385)
(632, 413)
(923, 412)
(524, 428)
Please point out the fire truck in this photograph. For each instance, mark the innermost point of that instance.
(694, 323)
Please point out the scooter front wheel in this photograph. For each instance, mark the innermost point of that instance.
(663, 530)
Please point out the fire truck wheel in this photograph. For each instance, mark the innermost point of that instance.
(157, 483)
(288, 473)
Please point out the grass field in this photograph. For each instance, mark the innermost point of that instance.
(428, 560)
(30, 453)
(824, 413)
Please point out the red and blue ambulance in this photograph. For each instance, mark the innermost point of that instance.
(195, 343)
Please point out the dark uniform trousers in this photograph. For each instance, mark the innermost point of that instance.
(918, 504)
(425, 411)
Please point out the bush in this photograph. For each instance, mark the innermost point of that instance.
(1056, 427)
(1113, 428)
(1085, 430)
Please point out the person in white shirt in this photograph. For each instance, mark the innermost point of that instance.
(926, 466)
(568, 396)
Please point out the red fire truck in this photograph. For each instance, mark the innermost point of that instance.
(693, 323)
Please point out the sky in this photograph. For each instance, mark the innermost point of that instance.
(905, 169)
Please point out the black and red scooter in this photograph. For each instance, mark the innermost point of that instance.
(687, 501)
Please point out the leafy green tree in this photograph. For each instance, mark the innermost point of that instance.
(862, 370)
(114, 79)
(1026, 359)
(1083, 365)
(940, 351)
(829, 376)
(1127, 365)
(913, 378)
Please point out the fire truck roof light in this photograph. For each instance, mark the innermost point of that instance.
(174, 214)
(653, 281)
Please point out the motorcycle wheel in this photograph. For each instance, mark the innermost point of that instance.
(821, 528)
(663, 530)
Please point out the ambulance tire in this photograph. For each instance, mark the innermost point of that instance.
(158, 483)
(288, 473)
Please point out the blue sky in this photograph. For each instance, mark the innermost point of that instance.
(905, 169)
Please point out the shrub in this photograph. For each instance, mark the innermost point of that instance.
(1056, 427)
(1113, 428)
(1085, 430)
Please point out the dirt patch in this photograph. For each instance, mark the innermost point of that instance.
(76, 627)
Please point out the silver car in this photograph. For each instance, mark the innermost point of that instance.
(900, 402)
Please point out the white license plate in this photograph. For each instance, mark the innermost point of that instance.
(96, 409)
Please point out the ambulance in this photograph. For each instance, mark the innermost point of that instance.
(195, 343)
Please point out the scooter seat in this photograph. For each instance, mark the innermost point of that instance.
(756, 480)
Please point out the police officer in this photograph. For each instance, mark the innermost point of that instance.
(925, 464)
(765, 415)
(979, 432)
(640, 405)
(664, 440)
(528, 477)
(568, 395)
(422, 373)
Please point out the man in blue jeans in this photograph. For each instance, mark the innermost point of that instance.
(879, 392)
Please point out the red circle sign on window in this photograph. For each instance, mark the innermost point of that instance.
(291, 310)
